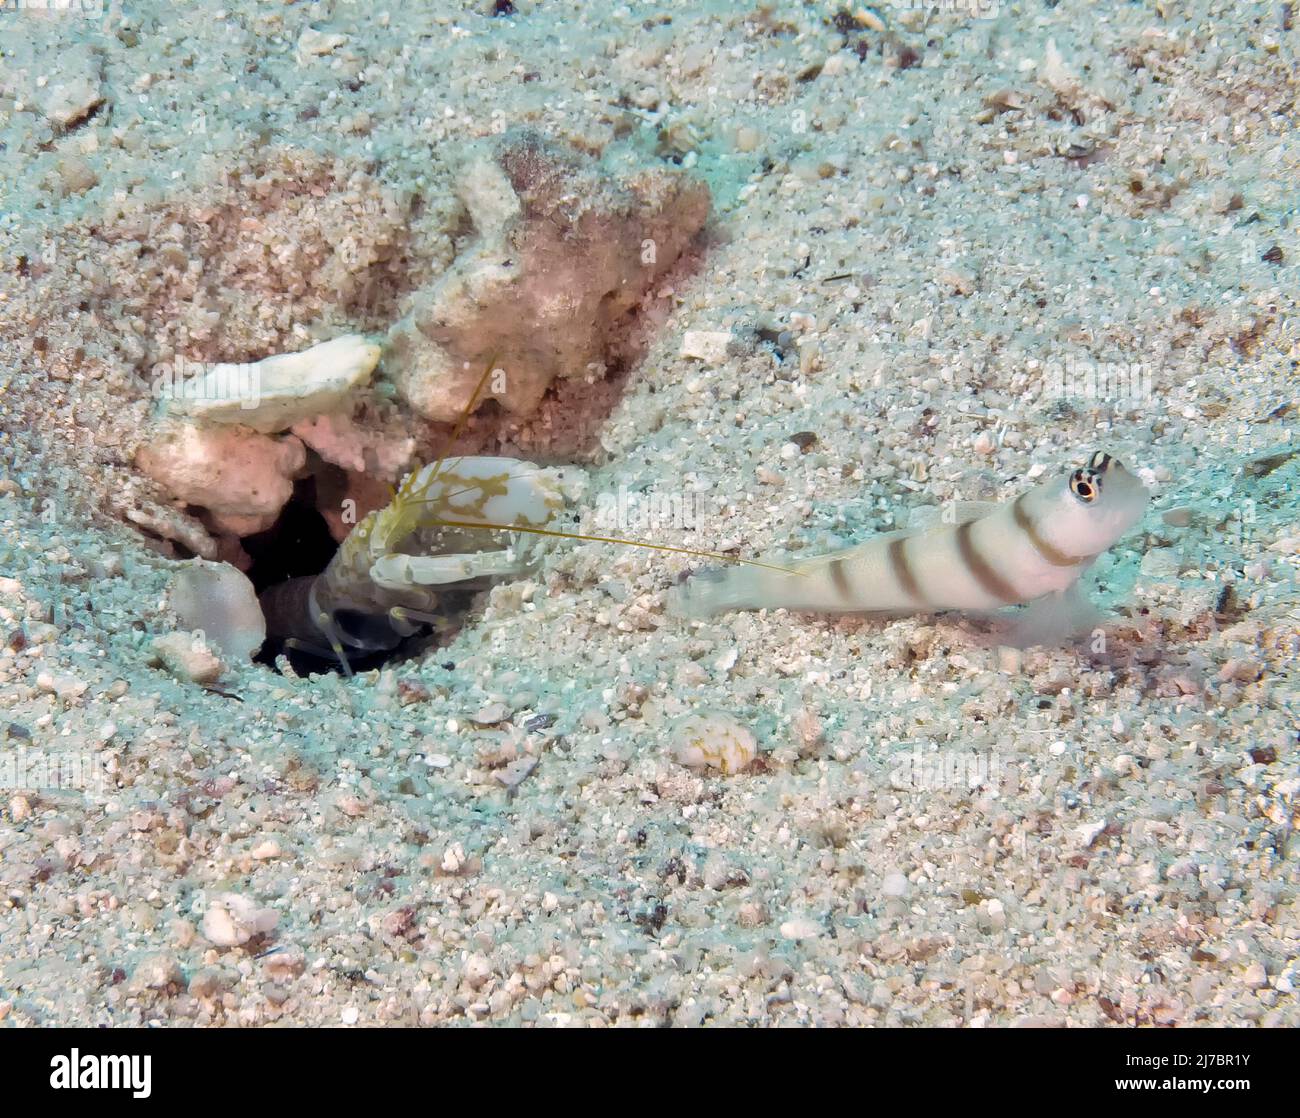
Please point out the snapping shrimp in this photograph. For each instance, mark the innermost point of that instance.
(434, 536)
(384, 581)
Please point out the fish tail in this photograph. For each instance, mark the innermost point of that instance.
(820, 582)
(716, 590)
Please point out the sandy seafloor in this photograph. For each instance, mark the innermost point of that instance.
(912, 229)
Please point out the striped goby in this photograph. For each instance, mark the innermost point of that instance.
(1036, 545)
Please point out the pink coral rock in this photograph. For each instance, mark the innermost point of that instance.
(567, 248)
(241, 477)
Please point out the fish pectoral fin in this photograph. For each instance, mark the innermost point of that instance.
(1053, 620)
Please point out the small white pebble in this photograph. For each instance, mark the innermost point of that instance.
(800, 928)
(477, 971)
(516, 772)
(220, 929)
(1089, 831)
(709, 346)
(187, 657)
(894, 885)
(232, 919)
(62, 686)
(1255, 977)
(490, 714)
(156, 972)
(994, 914)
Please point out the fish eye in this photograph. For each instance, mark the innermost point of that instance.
(1099, 461)
(1083, 486)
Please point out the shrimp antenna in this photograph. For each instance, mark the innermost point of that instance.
(459, 427)
(456, 433)
(611, 539)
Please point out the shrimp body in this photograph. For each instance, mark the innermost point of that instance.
(385, 578)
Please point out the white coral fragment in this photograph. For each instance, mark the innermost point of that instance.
(315, 44)
(709, 346)
(566, 249)
(187, 657)
(275, 393)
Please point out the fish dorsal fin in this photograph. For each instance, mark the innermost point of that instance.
(948, 515)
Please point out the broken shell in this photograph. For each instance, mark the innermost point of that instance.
(232, 920)
(714, 740)
(709, 346)
(800, 928)
(515, 773)
(219, 600)
(490, 715)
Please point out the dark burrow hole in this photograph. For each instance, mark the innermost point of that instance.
(300, 545)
